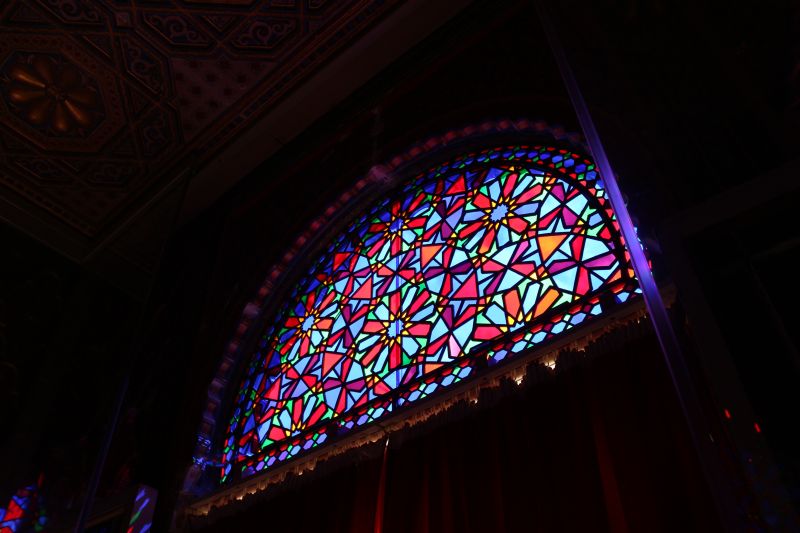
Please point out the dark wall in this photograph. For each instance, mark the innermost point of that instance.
(64, 342)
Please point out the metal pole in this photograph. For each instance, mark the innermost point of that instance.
(97, 471)
(662, 325)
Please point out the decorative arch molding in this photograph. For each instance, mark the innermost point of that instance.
(381, 179)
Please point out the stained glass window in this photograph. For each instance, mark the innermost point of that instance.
(24, 511)
(475, 261)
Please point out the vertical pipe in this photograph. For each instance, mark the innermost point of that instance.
(379, 504)
(100, 462)
(662, 325)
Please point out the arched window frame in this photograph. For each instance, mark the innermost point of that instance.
(259, 314)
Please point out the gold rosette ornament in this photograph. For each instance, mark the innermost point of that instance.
(52, 94)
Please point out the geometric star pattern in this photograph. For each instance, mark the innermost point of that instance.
(478, 259)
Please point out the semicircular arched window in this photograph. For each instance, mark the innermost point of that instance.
(473, 262)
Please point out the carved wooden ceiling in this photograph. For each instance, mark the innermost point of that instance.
(102, 102)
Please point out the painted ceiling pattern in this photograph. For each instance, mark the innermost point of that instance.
(102, 100)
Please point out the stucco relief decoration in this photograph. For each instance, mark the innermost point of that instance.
(74, 11)
(53, 95)
(176, 30)
(265, 33)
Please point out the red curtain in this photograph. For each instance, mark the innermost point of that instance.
(599, 445)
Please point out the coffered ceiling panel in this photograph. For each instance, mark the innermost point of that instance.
(103, 102)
